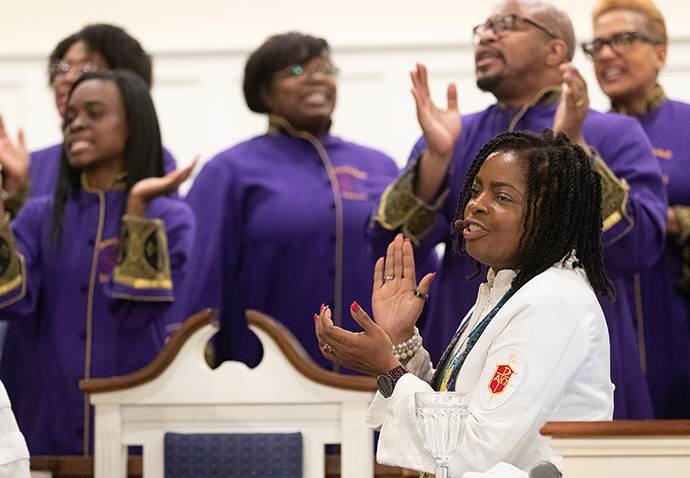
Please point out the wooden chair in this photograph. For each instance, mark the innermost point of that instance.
(178, 392)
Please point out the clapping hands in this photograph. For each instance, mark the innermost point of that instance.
(397, 302)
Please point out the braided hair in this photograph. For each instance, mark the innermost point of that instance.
(563, 214)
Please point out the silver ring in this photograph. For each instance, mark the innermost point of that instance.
(387, 278)
(327, 349)
(422, 296)
(580, 103)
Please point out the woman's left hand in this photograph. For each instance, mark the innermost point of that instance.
(397, 301)
(574, 107)
(148, 189)
(369, 351)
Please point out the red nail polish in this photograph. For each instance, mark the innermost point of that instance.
(322, 307)
(400, 234)
(407, 239)
(433, 276)
(355, 307)
(316, 317)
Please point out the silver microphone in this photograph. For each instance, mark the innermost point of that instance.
(544, 469)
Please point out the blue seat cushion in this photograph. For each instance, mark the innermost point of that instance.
(228, 455)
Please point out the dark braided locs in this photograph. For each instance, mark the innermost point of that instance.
(563, 213)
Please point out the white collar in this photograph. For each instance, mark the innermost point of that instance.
(498, 281)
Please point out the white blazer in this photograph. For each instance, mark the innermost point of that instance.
(14, 455)
(544, 357)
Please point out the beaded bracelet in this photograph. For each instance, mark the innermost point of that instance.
(408, 348)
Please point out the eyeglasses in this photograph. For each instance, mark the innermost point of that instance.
(61, 67)
(619, 43)
(292, 71)
(504, 26)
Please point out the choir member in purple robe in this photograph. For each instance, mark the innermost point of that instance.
(89, 275)
(291, 203)
(629, 52)
(522, 56)
(93, 48)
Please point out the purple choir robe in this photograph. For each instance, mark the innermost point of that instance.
(633, 243)
(47, 345)
(665, 312)
(266, 225)
(45, 166)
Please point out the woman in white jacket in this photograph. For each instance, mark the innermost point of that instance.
(534, 348)
(14, 454)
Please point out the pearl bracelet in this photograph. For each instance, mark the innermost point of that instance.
(408, 348)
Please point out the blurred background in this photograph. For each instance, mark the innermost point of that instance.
(199, 49)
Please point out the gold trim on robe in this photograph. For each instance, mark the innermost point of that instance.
(12, 270)
(683, 240)
(614, 196)
(399, 206)
(143, 261)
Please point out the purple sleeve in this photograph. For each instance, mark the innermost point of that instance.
(636, 240)
(20, 300)
(380, 236)
(150, 302)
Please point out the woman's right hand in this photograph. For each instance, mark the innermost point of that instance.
(369, 351)
(14, 160)
(395, 306)
(148, 189)
(441, 128)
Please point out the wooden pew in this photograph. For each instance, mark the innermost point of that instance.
(630, 449)
(82, 467)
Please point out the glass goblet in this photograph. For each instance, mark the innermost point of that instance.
(441, 418)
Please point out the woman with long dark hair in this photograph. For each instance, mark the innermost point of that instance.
(95, 47)
(89, 275)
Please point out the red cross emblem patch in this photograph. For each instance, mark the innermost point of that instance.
(501, 378)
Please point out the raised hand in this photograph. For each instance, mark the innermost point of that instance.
(146, 190)
(396, 300)
(574, 106)
(14, 160)
(441, 128)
